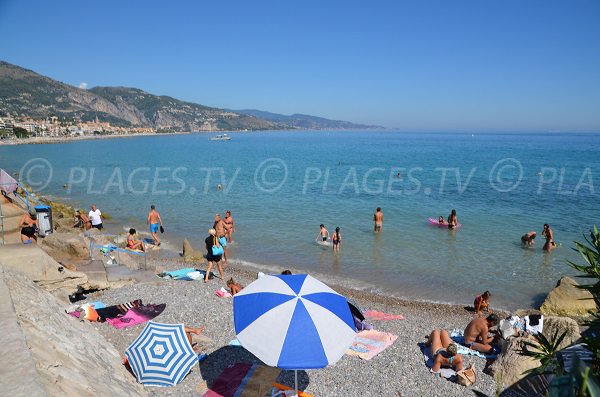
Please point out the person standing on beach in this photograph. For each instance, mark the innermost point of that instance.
(378, 219)
(221, 229)
(549, 236)
(212, 241)
(452, 220)
(28, 225)
(230, 226)
(155, 222)
(95, 217)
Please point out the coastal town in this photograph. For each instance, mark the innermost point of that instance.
(22, 127)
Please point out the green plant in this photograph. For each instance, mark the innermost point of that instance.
(590, 252)
(545, 350)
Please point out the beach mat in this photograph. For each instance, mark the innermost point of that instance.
(184, 274)
(137, 315)
(370, 343)
(381, 316)
(117, 310)
(243, 380)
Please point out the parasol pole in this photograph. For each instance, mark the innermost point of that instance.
(296, 382)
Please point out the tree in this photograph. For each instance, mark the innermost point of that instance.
(20, 132)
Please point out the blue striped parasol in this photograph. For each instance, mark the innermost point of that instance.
(293, 322)
(161, 355)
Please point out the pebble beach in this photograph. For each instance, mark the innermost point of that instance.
(399, 370)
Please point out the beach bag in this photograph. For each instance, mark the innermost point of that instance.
(466, 376)
(217, 249)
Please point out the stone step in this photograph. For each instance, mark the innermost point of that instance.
(96, 274)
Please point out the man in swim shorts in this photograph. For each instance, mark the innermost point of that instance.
(378, 219)
(155, 222)
(323, 233)
(476, 334)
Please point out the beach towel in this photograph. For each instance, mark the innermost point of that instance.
(222, 293)
(370, 343)
(381, 316)
(457, 335)
(187, 274)
(137, 315)
(243, 380)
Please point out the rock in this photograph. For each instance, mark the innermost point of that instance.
(190, 254)
(510, 366)
(60, 356)
(568, 300)
(66, 244)
(562, 324)
(38, 266)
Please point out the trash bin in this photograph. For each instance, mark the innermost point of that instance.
(44, 218)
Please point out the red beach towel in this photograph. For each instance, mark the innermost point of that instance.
(375, 315)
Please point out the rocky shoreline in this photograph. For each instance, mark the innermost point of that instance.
(399, 370)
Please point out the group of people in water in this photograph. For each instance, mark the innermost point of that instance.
(528, 239)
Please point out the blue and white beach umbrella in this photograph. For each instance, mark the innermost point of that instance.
(293, 322)
(161, 355)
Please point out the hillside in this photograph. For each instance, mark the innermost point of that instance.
(304, 121)
(26, 93)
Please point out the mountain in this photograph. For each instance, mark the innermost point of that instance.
(303, 121)
(24, 92)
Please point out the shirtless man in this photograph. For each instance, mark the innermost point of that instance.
(476, 334)
(549, 236)
(155, 221)
(82, 221)
(323, 233)
(528, 239)
(378, 219)
(222, 230)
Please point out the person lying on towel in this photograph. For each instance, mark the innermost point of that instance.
(444, 351)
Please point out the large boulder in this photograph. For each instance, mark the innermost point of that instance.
(66, 245)
(190, 254)
(38, 266)
(58, 355)
(558, 325)
(510, 366)
(568, 300)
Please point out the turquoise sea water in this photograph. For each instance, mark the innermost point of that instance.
(281, 185)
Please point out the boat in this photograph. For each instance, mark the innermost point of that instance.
(222, 137)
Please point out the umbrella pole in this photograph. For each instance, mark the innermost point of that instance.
(296, 381)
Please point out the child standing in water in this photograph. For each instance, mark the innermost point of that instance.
(337, 240)
(323, 233)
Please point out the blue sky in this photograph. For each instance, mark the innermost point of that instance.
(471, 66)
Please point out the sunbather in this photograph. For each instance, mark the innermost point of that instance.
(443, 350)
(132, 243)
(234, 287)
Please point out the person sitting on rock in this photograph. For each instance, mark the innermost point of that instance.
(132, 243)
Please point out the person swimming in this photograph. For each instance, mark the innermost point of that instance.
(528, 239)
(441, 220)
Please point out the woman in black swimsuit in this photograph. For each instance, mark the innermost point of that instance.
(452, 220)
(28, 225)
(211, 241)
(336, 240)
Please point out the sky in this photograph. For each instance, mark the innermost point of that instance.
(420, 65)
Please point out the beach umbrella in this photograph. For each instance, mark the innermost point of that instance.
(293, 322)
(161, 355)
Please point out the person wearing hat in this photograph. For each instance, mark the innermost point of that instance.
(213, 241)
(28, 225)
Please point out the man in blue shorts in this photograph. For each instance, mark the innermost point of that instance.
(155, 223)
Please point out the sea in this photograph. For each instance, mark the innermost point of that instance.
(281, 185)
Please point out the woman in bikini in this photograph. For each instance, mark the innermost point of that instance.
(444, 351)
(452, 220)
(28, 225)
(549, 236)
(336, 240)
(230, 226)
(132, 243)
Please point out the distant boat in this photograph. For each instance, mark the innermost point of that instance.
(223, 137)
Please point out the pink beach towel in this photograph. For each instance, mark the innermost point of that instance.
(375, 315)
(137, 315)
(368, 344)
